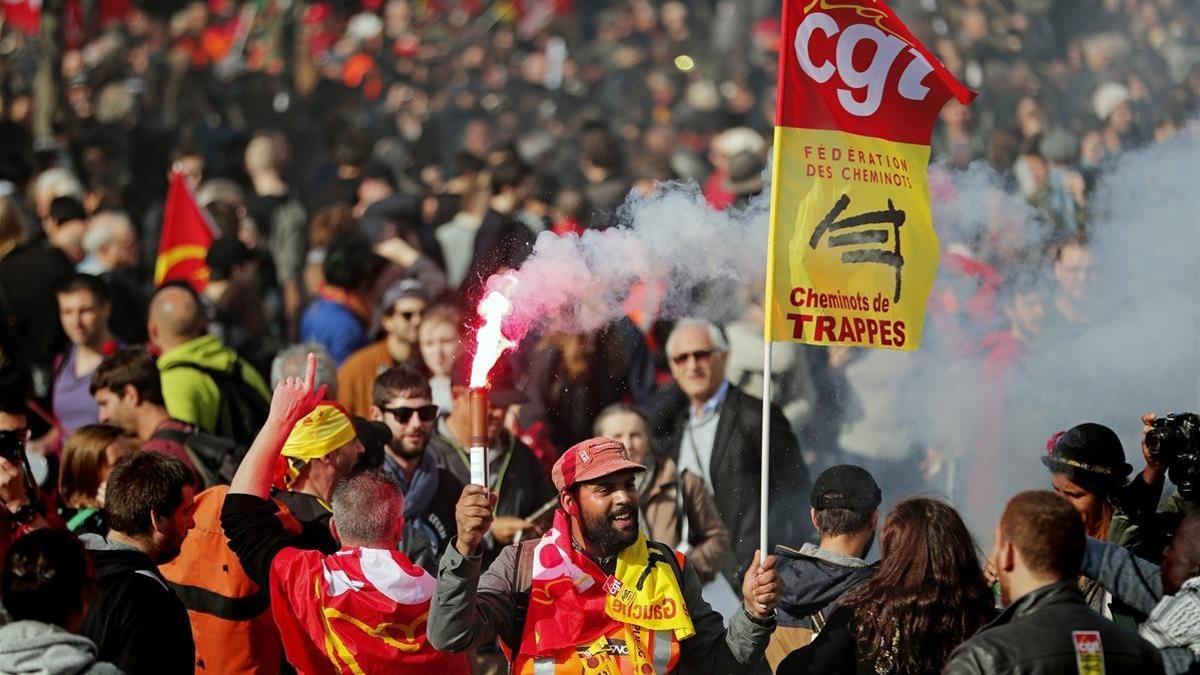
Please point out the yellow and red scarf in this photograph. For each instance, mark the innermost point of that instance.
(573, 603)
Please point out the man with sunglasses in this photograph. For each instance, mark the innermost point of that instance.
(400, 316)
(403, 401)
(718, 438)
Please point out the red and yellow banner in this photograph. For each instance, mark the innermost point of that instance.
(852, 253)
(185, 238)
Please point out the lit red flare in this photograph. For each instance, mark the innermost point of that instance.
(490, 342)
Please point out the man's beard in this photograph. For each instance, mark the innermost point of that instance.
(401, 449)
(602, 534)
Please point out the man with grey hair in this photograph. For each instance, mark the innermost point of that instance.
(718, 438)
(368, 582)
(292, 361)
(110, 245)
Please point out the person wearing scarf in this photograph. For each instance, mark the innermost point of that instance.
(360, 610)
(402, 402)
(593, 594)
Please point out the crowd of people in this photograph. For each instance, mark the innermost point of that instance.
(270, 471)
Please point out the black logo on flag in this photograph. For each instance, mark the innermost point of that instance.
(862, 242)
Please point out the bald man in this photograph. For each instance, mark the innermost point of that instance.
(204, 382)
(1170, 594)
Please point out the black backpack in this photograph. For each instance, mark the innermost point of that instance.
(216, 458)
(243, 408)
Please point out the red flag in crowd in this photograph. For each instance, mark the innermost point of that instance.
(23, 15)
(185, 238)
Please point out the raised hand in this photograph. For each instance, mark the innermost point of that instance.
(761, 587)
(294, 398)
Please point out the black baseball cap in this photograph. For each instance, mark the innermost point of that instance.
(845, 486)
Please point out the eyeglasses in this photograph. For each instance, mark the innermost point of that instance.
(408, 316)
(701, 356)
(403, 414)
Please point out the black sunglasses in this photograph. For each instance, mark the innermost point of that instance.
(403, 414)
(408, 316)
(701, 356)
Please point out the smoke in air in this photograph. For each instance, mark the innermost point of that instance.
(674, 253)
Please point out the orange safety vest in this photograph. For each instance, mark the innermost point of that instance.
(662, 652)
(233, 631)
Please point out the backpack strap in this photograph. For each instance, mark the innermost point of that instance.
(173, 435)
(522, 585)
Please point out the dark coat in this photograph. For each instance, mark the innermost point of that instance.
(1039, 634)
(136, 621)
(736, 465)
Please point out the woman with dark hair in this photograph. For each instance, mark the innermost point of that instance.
(927, 596)
(1087, 467)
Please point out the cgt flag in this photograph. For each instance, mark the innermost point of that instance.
(852, 252)
(185, 238)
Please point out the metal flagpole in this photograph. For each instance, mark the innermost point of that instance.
(765, 472)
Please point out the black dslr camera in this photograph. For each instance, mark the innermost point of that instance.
(1174, 441)
(12, 446)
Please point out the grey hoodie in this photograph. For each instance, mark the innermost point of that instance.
(36, 648)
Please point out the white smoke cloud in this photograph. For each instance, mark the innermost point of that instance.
(1139, 353)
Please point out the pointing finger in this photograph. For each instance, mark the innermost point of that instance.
(310, 376)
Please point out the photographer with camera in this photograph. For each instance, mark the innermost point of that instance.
(18, 491)
(1171, 447)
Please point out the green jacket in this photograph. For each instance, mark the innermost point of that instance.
(190, 395)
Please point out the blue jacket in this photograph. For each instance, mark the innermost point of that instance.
(335, 326)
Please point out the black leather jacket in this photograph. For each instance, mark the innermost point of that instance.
(1040, 633)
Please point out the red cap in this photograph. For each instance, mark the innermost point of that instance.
(589, 460)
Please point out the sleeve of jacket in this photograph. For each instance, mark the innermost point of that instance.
(255, 534)
(1178, 660)
(789, 477)
(964, 661)
(710, 539)
(714, 648)
(469, 610)
(1130, 579)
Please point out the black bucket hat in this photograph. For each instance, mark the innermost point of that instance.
(1090, 455)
